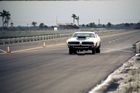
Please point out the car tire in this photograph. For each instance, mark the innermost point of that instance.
(98, 50)
(72, 51)
(93, 51)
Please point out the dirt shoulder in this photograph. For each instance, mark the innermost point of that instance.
(126, 79)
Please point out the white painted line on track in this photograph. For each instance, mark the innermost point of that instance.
(3, 52)
(23, 50)
(47, 46)
(35, 48)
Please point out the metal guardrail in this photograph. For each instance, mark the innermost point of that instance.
(16, 34)
(42, 36)
(33, 38)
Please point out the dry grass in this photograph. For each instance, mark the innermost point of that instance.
(130, 77)
(126, 79)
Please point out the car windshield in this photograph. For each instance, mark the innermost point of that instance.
(83, 35)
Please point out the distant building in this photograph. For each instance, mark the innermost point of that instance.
(55, 28)
(67, 26)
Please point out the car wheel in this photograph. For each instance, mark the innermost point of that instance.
(74, 51)
(98, 50)
(70, 50)
(93, 51)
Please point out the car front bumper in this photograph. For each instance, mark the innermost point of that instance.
(81, 47)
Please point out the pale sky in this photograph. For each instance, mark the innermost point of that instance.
(114, 11)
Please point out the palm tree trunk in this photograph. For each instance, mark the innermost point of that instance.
(73, 20)
(2, 21)
(78, 22)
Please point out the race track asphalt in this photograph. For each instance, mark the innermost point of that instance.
(53, 70)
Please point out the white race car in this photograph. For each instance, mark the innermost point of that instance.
(84, 41)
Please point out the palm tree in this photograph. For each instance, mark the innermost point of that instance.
(5, 18)
(34, 23)
(74, 17)
(2, 14)
(77, 18)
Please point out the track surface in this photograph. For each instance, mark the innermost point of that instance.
(53, 70)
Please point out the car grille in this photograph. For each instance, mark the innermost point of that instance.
(87, 43)
(73, 42)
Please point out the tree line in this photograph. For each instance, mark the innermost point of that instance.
(6, 16)
(114, 26)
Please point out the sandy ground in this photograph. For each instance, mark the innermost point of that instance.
(125, 79)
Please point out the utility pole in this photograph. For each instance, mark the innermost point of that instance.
(56, 20)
